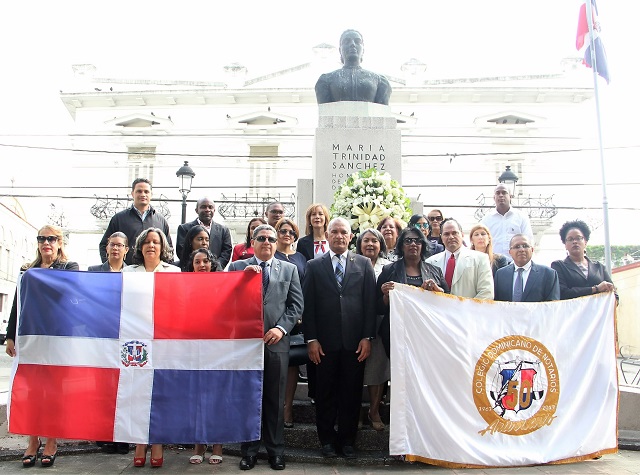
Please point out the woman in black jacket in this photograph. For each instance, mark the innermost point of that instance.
(578, 275)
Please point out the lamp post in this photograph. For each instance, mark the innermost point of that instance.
(509, 179)
(186, 174)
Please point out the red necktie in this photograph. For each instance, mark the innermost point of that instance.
(451, 266)
(319, 245)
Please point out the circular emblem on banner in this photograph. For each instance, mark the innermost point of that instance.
(516, 386)
(134, 353)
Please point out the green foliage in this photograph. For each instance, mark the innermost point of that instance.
(596, 253)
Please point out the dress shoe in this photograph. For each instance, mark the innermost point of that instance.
(122, 448)
(277, 462)
(248, 462)
(328, 451)
(349, 452)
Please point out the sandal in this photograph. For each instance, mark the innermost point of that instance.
(47, 460)
(30, 460)
(215, 459)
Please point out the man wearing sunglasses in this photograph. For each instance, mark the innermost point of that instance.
(504, 221)
(283, 305)
(523, 280)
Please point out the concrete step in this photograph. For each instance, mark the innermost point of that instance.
(305, 436)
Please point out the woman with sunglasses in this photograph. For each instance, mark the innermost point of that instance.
(420, 222)
(244, 250)
(287, 232)
(410, 269)
(435, 218)
(50, 254)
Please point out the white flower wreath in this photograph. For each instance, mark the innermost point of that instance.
(367, 197)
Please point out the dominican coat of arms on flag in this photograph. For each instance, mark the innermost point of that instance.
(138, 357)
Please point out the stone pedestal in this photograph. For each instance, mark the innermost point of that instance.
(351, 137)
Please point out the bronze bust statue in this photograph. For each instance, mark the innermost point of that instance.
(352, 83)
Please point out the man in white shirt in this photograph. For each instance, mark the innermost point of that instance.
(504, 221)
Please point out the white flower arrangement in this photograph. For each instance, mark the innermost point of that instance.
(367, 197)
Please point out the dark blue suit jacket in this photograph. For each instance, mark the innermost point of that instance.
(542, 285)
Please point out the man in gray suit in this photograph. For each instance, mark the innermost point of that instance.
(283, 305)
(523, 280)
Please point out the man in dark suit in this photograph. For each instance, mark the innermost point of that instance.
(523, 280)
(283, 304)
(219, 236)
(339, 321)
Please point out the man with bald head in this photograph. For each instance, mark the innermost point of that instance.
(339, 322)
(504, 221)
(467, 272)
(219, 235)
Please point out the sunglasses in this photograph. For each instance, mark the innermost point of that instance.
(271, 239)
(416, 241)
(290, 232)
(49, 239)
(421, 225)
(435, 218)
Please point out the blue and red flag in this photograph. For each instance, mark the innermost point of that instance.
(582, 38)
(139, 357)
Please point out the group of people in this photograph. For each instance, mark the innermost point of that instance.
(338, 299)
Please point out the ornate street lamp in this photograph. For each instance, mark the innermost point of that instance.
(186, 174)
(509, 179)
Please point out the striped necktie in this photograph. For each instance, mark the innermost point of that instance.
(265, 277)
(339, 271)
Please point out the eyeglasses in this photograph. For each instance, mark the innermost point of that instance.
(271, 239)
(290, 232)
(276, 211)
(435, 218)
(575, 239)
(421, 225)
(416, 241)
(115, 245)
(49, 239)
(520, 246)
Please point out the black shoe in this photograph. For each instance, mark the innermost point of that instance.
(328, 451)
(349, 452)
(248, 462)
(277, 462)
(122, 448)
(288, 425)
(108, 447)
(48, 460)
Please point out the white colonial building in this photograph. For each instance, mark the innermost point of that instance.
(250, 139)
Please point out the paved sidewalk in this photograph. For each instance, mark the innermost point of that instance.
(177, 461)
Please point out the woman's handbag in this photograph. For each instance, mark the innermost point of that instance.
(298, 354)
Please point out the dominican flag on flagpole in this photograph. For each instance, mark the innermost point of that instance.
(582, 38)
(138, 357)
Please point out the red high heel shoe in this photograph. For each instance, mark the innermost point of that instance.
(157, 462)
(140, 461)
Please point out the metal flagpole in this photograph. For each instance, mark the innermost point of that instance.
(605, 200)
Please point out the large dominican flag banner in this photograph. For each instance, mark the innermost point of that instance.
(488, 384)
(139, 357)
(582, 39)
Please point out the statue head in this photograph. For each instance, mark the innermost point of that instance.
(351, 47)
